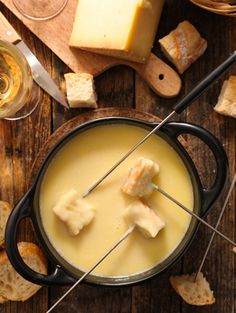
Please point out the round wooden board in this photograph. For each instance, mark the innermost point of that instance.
(83, 118)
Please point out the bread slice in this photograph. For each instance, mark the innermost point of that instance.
(183, 46)
(5, 210)
(14, 287)
(226, 104)
(80, 90)
(193, 292)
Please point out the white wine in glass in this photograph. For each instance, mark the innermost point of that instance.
(19, 95)
(40, 10)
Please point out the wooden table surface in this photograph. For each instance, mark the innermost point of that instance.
(121, 87)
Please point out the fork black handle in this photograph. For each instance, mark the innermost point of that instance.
(205, 84)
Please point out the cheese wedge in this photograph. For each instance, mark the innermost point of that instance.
(80, 90)
(147, 221)
(139, 181)
(125, 28)
(73, 211)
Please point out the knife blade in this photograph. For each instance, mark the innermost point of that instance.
(39, 74)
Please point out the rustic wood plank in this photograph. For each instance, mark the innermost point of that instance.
(20, 142)
(219, 266)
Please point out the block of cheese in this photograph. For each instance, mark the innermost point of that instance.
(80, 90)
(226, 104)
(147, 221)
(73, 211)
(139, 181)
(125, 28)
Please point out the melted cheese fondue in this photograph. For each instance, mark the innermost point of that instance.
(86, 158)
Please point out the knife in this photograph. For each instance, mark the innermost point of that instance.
(39, 74)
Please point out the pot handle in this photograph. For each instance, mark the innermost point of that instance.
(21, 211)
(175, 129)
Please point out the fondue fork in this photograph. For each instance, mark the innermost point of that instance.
(214, 229)
(122, 238)
(179, 107)
(217, 224)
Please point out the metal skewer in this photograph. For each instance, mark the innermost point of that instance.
(179, 107)
(217, 224)
(214, 229)
(122, 238)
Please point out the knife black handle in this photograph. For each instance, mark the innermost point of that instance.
(205, 84)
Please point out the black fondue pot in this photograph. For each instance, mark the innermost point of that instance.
(62, 271)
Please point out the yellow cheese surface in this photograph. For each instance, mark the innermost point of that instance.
(124, 28)
(80, 163)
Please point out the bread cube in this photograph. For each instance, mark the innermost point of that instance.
(147, 221)
(74, 212)
(139, 181)
(193, 292)
(183, 46)
(226, 104)
(80, 90)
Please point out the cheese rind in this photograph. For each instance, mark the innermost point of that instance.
(147, 221)
(73, 211)
(80, 90)
(123, 29)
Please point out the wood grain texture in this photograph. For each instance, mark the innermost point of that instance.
(20, 142)
(82, 61)
(7, 32)
(122, 87)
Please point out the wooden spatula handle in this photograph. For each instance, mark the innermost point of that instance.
(7, 32)
(160, 76)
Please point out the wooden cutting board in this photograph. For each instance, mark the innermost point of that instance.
(55, 33)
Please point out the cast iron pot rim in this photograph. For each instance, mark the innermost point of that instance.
(48, 247)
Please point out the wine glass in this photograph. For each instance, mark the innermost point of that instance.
(19, 95)
(40, 10)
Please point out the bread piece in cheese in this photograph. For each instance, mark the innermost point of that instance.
(124, 29)
(226, 104)
(183, 46)
(73, 211)
(147, 221)
(80, 90)
(139, 181)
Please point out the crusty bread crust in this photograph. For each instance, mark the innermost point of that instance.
(183, 46)
(5, 210)
(14, 287)
(193, 292)
(226, 104)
